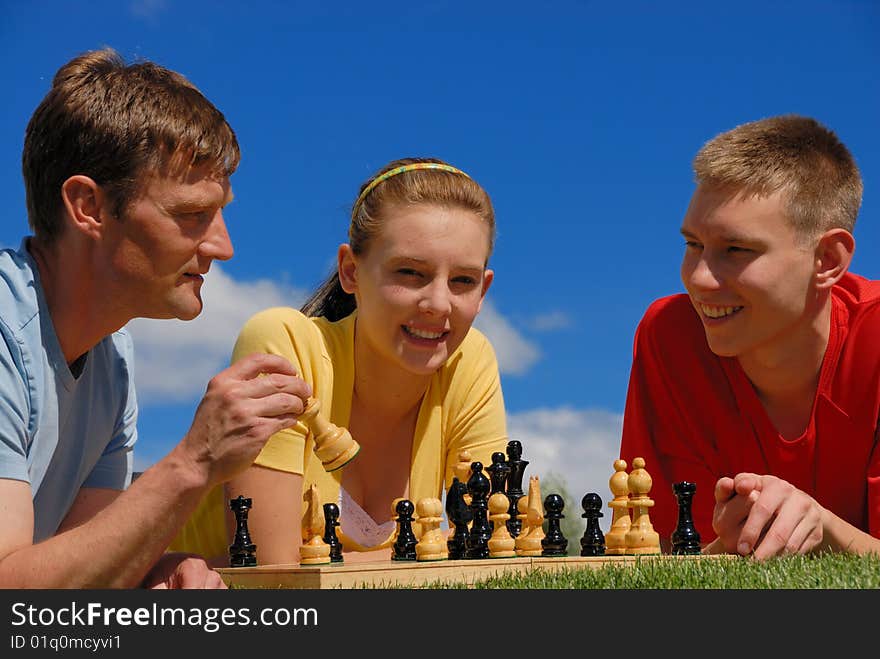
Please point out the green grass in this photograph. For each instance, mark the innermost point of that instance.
(828, 571)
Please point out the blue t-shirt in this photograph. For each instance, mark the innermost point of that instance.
(59, 432)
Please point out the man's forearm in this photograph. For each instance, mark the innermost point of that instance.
(119, 544)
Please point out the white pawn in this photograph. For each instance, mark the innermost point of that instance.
(501, 544)
(432, 545)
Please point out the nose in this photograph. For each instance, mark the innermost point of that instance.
(435, 298)
(697, 273)
(216, 243)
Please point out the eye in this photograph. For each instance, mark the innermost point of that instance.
(409, 272)
(734, 249)
(465, 280)
(692, 244)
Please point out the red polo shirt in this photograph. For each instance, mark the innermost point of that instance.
(695, 416)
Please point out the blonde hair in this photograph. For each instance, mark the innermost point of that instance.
(793, 154)
(438, 187)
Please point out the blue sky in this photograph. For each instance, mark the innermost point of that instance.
(579, 118)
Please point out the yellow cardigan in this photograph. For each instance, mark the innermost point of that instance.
(463, 408)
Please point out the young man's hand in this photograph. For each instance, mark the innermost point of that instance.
(765, 516)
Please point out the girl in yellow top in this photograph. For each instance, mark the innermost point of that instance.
(388, 348)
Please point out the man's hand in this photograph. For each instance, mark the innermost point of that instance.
(179, 570)
(765, 516)
(244, 405)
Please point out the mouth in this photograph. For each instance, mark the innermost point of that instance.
(718, 312)
(194, 276)
(431, 336)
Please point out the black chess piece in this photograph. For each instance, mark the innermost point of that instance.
(242, 550)
(406, 541)
(331, 521)
(685, 539)
(498, 472)
(478, 539)
(593, 541)
(514, 484)
(459, 515)
(554, 543)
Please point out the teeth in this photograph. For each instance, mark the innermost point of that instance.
(422, 334)
(718, 312)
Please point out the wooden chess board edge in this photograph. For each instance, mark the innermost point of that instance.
(391, 574)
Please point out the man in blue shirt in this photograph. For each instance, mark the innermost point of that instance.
(126, 170)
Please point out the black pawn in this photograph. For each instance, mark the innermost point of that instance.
(459, 515)
(331, 521)
(554, 543)
(685, 539)
(478, 487)
(241, 551)
(406, 541)
(593, 542)
(514, 484)
(498, 472)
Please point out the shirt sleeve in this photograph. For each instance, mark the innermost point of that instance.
(269, 332)
(14, 413)
(114, 468)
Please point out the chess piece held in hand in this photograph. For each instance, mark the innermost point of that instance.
(641, 537)
(241, 551)
(685, 539)
(314, 550)
(334, 446)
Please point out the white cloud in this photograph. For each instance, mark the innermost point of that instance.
(174, 360)
(578, 445)
(550, 321)
(516, 355)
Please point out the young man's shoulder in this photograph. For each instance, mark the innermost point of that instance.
(670, 317)
(860, 295)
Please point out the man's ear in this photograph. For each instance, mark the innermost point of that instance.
(346, 264)
(84, 204)
(834, 253)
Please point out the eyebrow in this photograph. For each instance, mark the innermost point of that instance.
(400, 260)
(726, 238)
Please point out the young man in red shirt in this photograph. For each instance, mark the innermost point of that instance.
(762, 384)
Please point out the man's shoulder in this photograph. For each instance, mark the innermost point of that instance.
(860, 295)
(671, 314)
(18, 290)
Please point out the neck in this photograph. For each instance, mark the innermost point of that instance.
(789, 369)
(390, 393)
(81, 312)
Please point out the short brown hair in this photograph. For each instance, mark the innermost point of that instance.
(114, 123)
(791, 153)
(437, 187)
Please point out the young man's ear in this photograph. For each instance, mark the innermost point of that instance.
(834, 253)
(346, 264)
(84, 204)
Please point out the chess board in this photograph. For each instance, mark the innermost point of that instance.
(415, 574)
